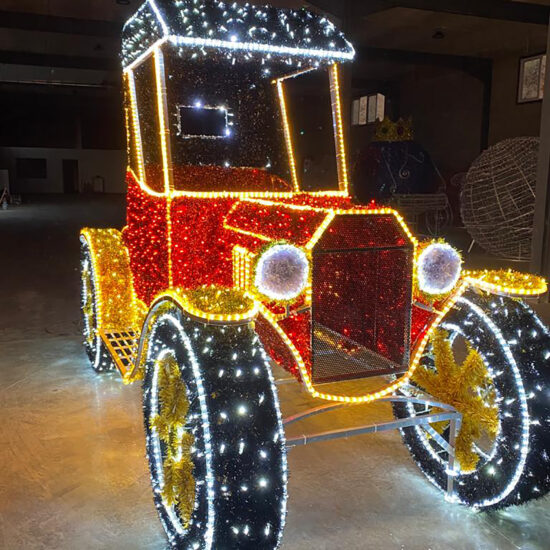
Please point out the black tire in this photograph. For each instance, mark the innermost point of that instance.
(516, 346)
(240, 485)
(100, 358)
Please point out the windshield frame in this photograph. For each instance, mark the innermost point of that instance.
(338, 128)
(133, 126)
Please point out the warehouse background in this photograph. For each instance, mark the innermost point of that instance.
(452, 67)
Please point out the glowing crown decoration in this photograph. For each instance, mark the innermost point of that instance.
(387, 130)
(245, 29)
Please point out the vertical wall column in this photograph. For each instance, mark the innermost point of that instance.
(540, 247)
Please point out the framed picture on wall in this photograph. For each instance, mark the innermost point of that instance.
(532, 70)
(368, 109)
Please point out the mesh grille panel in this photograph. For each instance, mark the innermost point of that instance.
(361, 307)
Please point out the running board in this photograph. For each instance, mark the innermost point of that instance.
(122, 346)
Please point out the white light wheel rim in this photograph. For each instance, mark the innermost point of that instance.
(513, 342)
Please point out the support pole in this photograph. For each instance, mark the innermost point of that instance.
(306, 439)
(540, 245)
(454, 427)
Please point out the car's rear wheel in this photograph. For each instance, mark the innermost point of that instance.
(100, 358)
(214, 434)
(501, 388)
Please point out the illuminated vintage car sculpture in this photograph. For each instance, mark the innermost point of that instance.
(227, 260)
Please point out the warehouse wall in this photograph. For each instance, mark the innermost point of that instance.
(108, 164)
(446, 106)
(62, 122)
(447, 109)
(509, 118)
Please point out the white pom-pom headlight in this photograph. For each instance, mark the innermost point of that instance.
(282, 272)
(438, 268)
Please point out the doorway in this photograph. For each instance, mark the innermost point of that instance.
(70, 176)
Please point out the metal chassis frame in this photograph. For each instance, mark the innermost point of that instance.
(448, 413)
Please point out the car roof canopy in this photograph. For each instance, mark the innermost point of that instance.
(297, 35)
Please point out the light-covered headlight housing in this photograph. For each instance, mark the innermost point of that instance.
(281, 272)
(438, 268)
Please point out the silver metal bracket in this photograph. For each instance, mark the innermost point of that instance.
(445, 413)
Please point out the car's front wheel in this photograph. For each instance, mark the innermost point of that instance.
(214, 434)
(490, 361)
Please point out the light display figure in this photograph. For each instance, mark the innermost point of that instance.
(226, 262)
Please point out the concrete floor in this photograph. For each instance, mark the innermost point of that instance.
(73, 471)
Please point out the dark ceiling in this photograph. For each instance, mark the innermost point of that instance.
(68, 41)
(67, 52)
(484, 28)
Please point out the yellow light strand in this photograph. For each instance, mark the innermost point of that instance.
(294, 74)
(144, 186)
(242, 267)
(169, 238)
(332, 211)
(136, 124)
(508, 282)
(231, 194)
(163, 120)
(182, 298)
(336, 102)
(129, 140)
(320, 230)
(373, 396)
(288, 136)
(165, 147)
(254, 194)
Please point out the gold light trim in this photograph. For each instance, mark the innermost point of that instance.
(136, 124)
(336, 103)
(162, 105)
(288, 136)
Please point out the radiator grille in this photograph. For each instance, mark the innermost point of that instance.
(361, 308)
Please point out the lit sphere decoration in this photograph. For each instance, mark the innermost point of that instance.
(282, 272)
(497, 202)
(438, 268)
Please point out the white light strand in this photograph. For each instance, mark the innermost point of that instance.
(282, 442)
(345, 53)
(523, 445)
(261, 481)
(209, 533)
(524, 449)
